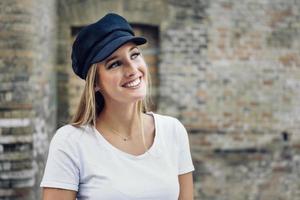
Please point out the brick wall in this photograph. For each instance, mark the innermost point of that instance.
(69, 85)
(43, 83)
(246, 140)
(229, 70)
(27, 94)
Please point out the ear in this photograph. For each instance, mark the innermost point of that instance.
(97, 88)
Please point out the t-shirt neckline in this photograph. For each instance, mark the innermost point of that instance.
(109, 146)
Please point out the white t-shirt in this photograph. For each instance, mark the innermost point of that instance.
(81, 159)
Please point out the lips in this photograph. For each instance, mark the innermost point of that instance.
(132, 84)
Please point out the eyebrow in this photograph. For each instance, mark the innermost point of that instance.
(113, 57)
(109, 59)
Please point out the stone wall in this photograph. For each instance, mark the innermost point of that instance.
(43, 83)
(229, 70)
(27, 98)
(246, 141)
(74, 15)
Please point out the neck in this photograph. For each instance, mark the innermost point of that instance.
(121, 118)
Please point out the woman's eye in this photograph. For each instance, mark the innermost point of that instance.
(114, 64)
(134, 55)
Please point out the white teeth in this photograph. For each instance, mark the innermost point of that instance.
(133, 83)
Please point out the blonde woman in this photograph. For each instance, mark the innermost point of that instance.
(114, 149)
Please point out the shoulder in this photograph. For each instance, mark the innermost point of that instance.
(69, 134)
(169, 126)
(171, 129)
(167, 120)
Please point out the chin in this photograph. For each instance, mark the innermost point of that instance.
(141, 97)
(138, 97)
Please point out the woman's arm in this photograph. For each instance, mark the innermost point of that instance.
(186, 186)
(58, 194)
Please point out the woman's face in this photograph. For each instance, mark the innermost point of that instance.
(123, 75)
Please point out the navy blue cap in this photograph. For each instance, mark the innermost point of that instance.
(99, 40)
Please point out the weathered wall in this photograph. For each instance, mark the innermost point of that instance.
(247, 146)
(43, 83)
(27, 98)
(229, 70)
(76, 14)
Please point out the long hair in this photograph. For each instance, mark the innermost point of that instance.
(92, 103)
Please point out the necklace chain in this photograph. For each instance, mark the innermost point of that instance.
(125, 139)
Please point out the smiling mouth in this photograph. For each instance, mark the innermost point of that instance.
(133, 84)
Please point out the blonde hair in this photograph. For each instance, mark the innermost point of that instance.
(92, 103)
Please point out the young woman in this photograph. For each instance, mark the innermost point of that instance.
(114, 149)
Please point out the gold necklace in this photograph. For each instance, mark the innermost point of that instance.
(125, 139)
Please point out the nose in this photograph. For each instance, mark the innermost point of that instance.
(131, 69)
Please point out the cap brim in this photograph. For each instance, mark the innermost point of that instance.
(111, 47)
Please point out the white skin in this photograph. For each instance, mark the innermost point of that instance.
(123, 81)
(118, 75)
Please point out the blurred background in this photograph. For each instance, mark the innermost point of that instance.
(228, 69)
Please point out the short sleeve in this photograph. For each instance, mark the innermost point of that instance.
(61, 169)
(185, 163)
